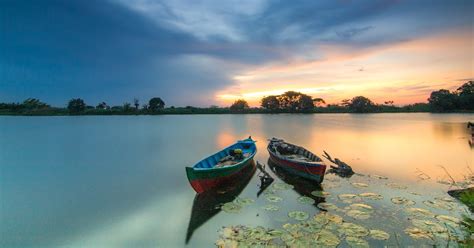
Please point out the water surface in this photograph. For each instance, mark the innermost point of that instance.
(119, 181)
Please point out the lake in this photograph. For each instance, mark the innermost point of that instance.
(120, 181)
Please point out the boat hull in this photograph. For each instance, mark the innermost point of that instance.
(313, 173)
(202, 181)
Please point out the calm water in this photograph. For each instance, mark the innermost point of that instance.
(120, 181)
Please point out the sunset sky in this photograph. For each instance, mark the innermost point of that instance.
(205, 53)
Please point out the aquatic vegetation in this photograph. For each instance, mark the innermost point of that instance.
(360, 185)
(298, 215)
(305, 200)
(438, 204)
(396, 186)
(448, 220)
(354, 230)
(359, 211)
(326, 238)
(271, 207)
(371, 196)
(347, 197)
(231, 207)
(243, 201)
(328, 206)
(282, 186)
(402, 201)
(379, 234)
(356, 242)
(419, 212)
(428, 226)
(378, 177)
(320, 193)
(417, 233)
(273, 198)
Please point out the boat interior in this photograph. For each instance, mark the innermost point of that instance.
(293, 152)
(229, 156)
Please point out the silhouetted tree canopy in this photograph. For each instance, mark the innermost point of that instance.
(361, 104)
(102, 105)
(33, 103)
(155, 104)
(318, 101)
(76, 105)
(239, 105)
(466, 96)
(292, 100)
(442, 100)
(136, 103)
(270, 102)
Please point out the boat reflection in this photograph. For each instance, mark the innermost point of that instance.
(301, 185)
(207, 204)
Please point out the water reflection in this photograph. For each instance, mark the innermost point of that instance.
(302, 186)
(207, 204)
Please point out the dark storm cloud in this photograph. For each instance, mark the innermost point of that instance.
(185, 51)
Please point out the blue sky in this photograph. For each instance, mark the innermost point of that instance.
(211, 52)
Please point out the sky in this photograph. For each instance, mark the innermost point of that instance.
(205, 52)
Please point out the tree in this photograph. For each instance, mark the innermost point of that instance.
(466, 96)
(33, 103)
(442, 100)
(136, 103)
(76, 105)
(127, 107)
(239, 105)
(270, 102)
(155, 104)
(318, 102)
(295, 101)
(361, 104)
(102, 105)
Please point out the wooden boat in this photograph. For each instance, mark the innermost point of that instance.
(208, 204)
(296, 160)
(219, 168)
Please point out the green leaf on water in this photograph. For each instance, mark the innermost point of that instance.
(354, 230)
(347, 197)
(244, 201)
(326, 238)
(298, 215)
(360, 185)
(396, 186)
(417, 233)
(356, 242)
(371, 196)
(378, 177)
(328, 206)
(320, 193)
(270, 207)
(438, 204)
(282, 186)
(379, 234)
(231, 207)
(419, 212)
(305, 200)
(402, 201)
(273, 198)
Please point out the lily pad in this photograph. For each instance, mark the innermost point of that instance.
(298, 215)
(320, 193)
(357, 214)
(396, 186)
(282, 186)
(362, 207)
(347, 197)
(378, 177)
(428, 226)
(273, 198)
(328, 206)
(417, 233)
(356, 242)
(244, 201)
(419, 212)
(326, 238)
(379, 234)
(305, 200)
(448, 220)
(354, 230)
(438, 204)
(270, 207)
(360, 185)
(402, 201)
(231, 207)
(371, 196)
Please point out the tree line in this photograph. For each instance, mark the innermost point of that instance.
(461, 99)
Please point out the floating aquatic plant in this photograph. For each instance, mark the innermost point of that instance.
(438, 204)
(417, 233)
(428, 226)
(419, 212)
(231, 207)
(356, 242)
(270, 207)
(359, 211)
(244, 201)
(328, 206)
(396, 186)
(402, 201)
(326, 238)
(371, 196)
(354, 230)
(379, 234)
(305, 200)
(360, 185)
(282, 186)
(378, 177)
(347, 197)
(273, 198)
(320, 193)
(298, 215)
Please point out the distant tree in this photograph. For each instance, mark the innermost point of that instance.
(388, 102)
(102, 105)
(136, 103)
(239, 105)
(361, 104)
(318, 102)
(213, 107)
(466, 96)
(76, 105)
(442, 101)
(295, 101)
(155, 104)
(33, 103)
(346, 102)
(127, 107)
(145, 106)
(270, 102)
